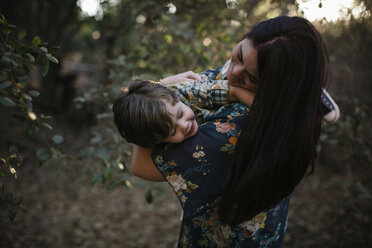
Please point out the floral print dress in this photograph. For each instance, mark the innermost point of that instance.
(197, 170)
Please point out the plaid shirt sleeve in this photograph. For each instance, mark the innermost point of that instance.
(205, 97)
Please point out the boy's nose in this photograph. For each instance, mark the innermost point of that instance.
(183, 126)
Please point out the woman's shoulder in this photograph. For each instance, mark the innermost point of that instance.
(230, 112)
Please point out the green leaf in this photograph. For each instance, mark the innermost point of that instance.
(96, 139)
(54, 49)
(43, 155)
(29, 105)
(30, 57)
(83, 153)
(18, 200)
(148, 196)
(19, 116)
(97, 177)
(107, 172)
(15, 90)
(52, 58)
(11, 214)
(22, 34)
(5, 59)
(44, 49)
(23, 80)
(47, 126)
(36, 41)
(34, 93)
(79, 99)
(6, 101)
(9, 197)
(159, 191)
(32, 129)
(101, 153)
(3, 75)
(46, 116)
(13, 149)
(116, 138)
(27, 97)
(8, 60)
(32, 116)
(57, 139)
(45, 68)
(5, 85)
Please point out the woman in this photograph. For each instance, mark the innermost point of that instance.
(236, 194)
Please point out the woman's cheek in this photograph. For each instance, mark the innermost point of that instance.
(251, 86)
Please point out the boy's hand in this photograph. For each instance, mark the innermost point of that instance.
(240, 94)
(185, 76)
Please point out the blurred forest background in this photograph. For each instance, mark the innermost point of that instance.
(64, 175)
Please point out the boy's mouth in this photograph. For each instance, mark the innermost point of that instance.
(191, 129)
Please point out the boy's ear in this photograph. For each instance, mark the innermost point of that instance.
(124, 89)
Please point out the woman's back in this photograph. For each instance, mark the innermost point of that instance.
(197, 170)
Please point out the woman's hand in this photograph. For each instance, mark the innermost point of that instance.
(185, 76)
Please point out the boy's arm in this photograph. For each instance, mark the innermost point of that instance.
(207, 94)
(242, 95)
(185, 76)
(142, 165)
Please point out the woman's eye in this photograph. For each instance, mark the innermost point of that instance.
(240, 58)
(252, 78)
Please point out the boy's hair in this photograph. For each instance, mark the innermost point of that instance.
(140, 113)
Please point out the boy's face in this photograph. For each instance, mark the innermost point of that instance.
(184, 120)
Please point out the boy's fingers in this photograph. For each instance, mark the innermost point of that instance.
(193, 75)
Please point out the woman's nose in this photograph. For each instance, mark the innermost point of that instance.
(237, 70)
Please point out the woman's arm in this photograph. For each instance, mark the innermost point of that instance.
(142, 165)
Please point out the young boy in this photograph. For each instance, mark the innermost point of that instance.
(148, 113)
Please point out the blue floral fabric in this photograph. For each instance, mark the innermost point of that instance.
(197, 170)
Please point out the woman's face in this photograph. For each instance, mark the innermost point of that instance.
(243, 71)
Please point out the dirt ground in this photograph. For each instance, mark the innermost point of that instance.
(331, 208)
